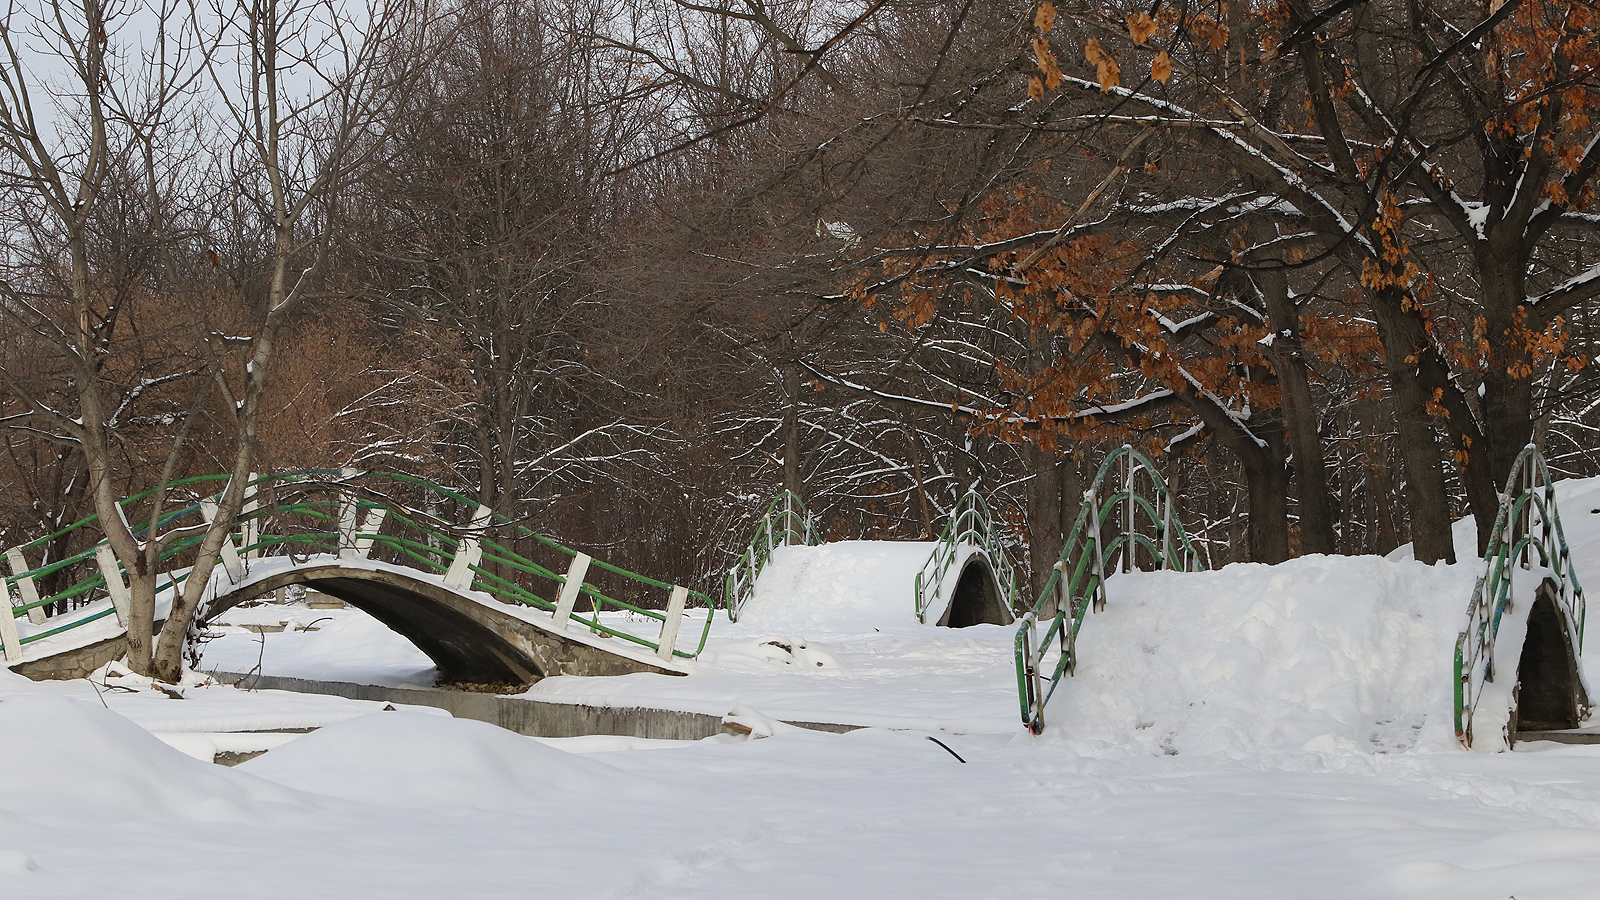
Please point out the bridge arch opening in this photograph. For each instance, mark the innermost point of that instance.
(1550, 693)
(465, 650)
(977, 599)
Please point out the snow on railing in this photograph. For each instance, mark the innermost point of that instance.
(1134, 505)
(1527, 522)
(970, 525)
(785, 522)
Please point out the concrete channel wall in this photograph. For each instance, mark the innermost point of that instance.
(538, 718)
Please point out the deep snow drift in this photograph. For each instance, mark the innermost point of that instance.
(1319, 653)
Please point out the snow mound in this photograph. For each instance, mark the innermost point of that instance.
(414, 760)
(70, 761)
(846, 587)
(1320, 653)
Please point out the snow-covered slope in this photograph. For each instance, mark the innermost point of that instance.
(1318, 652)
(831, 635)
(845, 587)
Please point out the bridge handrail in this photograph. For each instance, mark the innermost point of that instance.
(1077, 580)
(971, 523)
(785, 522)
(327, 511)
(1527, 520)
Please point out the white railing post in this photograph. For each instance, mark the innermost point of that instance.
(362, 545)
(669, 624)
(349, 516)
(116, 587)
(123, 515)
(25, 584)
(250, 526)
(229, 554)
(571, 586)
(459, 576)
(9, 642)
(1129, 562)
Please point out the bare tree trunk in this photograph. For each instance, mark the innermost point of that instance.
(791, 427)
(1044, 517)
(922, 489)
(1299, 414)
(1426, 497)
(1381, 500)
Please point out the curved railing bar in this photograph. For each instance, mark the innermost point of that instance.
(1527, 503)
(1077, 580)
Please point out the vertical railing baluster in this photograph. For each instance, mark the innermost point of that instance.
(25, 585)
(9, 641)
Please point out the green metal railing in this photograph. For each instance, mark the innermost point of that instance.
(971, 524)
(361, 515)
(784, 522)
(1528, 523)
(1131, 503)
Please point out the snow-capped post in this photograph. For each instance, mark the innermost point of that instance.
(788, 516)
(229, 554)
(670, 623)
(571, 586)
(468, 551)
(9, 642)
(116, 587)
(1090, 498)
(348, 516)
(25, 584)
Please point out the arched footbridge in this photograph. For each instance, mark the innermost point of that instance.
(1518, 671)
(488, 599)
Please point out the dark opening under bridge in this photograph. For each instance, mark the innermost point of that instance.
(488, 599)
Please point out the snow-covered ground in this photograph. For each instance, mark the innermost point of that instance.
(1257, 732)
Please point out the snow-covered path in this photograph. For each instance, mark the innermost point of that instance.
(403, 805)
